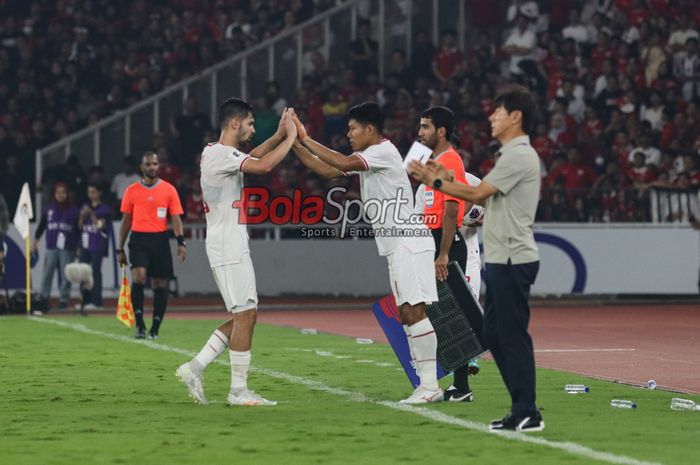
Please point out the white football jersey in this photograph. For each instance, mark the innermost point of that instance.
(222, 182)
(469, 232)
(384, 178)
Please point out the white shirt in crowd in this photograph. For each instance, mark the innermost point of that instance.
(523, 39)
(652, 155)
(653, 115)
(384, 180)
(222, 183)
(121, 181)
(578, 32)
(679, 37)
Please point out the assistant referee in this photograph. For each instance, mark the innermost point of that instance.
(443, 215)
(146, 205)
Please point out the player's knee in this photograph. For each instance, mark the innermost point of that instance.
(411, 314)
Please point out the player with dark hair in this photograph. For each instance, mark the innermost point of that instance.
(223, 165)
(444, 215)
(409, 249)
(510, 192)
(146, 206)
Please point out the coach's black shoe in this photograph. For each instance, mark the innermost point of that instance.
(152, 334)
(498, 424)
(452, 394)
(524, 424)
(140, 333)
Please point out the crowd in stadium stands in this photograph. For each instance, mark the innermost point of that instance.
(66, 64)
(618, 83)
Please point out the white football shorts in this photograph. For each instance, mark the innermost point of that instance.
(236, 283)
(412, 276)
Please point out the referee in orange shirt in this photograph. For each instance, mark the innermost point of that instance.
(146, 205)
(443, 215)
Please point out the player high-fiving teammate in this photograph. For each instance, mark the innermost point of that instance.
(223, 165)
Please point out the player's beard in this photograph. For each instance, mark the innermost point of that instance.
(151, 174)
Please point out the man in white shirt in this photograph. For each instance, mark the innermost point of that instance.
(407, 244)
(686, 67)
(520, 45)
(124, 179)
(681, 33)
(222, 166)
(575, 30)
(652, 155)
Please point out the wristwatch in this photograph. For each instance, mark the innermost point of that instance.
(437, 184)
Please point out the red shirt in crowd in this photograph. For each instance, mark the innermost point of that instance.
(544, 148)
(447, 61)
(642, 175)
(576, 176)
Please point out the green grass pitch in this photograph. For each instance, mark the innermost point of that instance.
(81, 391)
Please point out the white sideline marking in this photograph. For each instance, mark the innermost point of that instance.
(582, 350)
(326, 353)
(569, 447)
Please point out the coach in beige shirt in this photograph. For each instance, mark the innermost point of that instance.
(510, 192)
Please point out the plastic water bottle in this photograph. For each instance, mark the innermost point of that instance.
(685, 405)
(576, 389)
(617, 403)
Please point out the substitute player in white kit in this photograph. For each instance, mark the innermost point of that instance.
(473, 218)
(407, 245)
(222, 168)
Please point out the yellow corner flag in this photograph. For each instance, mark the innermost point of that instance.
(125, 312)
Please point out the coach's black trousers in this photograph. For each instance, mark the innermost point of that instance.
(506, 318)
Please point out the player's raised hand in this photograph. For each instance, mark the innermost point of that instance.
(282, 126)
(290, 125)
(301, 130)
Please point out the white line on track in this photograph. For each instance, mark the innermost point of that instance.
(569, 447)
(557, 351)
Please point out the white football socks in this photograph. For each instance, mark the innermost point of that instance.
(215, 346)
(423, 343)
(240, 364)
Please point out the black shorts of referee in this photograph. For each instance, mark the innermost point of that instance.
(458, 251)
(151, 251)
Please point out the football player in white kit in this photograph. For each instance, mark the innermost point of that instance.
(222, 166)
(409, 248)
(473, 218)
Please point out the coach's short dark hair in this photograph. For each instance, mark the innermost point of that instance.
(518, 98)
(233, 108)
(442, 117)
(368, 113)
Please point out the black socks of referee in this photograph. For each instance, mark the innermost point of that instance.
(461, 381)
(137, 304)
(160, 305)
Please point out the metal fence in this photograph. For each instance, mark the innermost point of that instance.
(283, 58)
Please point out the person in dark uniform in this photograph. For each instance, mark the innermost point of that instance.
(146, 206)
(511, 193)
